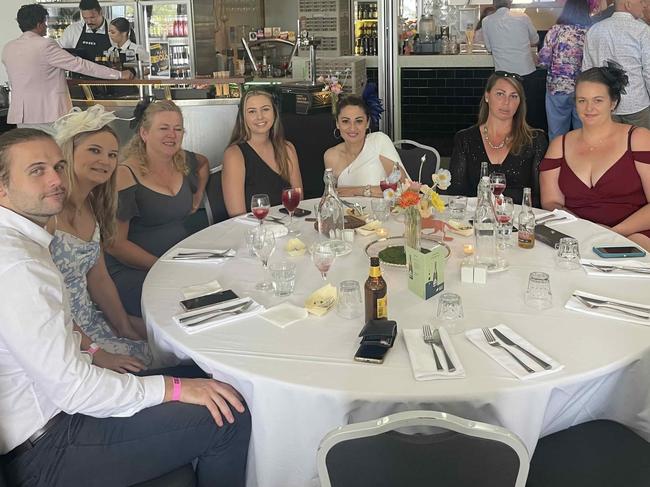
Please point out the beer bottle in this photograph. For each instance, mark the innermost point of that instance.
(375, 293)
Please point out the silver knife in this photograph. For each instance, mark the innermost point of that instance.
(643, 309)
(509, 342)
(217, 310)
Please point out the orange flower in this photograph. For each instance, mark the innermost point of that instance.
(408, 198)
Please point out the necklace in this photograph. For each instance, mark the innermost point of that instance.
(492, 146)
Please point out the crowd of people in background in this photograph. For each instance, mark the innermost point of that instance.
(84, 220)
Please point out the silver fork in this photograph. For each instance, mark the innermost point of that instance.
(489, 337)
(427, 336)
(222, 313)
(611, 268)
(591, 305)
(643, 309)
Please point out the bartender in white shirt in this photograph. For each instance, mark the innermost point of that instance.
(123, 39)
(89, 34)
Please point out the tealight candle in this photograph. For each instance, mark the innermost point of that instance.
(468, 249)
(382, 232)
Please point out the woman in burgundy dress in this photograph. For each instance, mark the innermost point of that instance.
(601, 172)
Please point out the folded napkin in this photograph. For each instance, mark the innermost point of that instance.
(607, 312)
(190, 327)
(506, 361)
(172, 255)
(628, 264)
(295, 247)
(422, 361)
(321, 300)
(197, 290)
(284, 314)
(461, 228)
(568, 217)
(369, 228)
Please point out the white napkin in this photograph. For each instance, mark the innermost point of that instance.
(278, 229)
(187, 327)
(284, 314)
(369, 228)
(506, 361)
(568, 217)
(591, 271)
(575, 305)
(422, 361)
(197, 290)
(169, 256)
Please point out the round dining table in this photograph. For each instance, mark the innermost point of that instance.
(301, 381)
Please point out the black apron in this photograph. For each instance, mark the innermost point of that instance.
(94, 44)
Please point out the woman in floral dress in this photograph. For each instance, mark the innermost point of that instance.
(562, 56)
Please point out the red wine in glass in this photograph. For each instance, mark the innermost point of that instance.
(498, 189)
(384, 185)
(503, 219)
(291, 199)
(260, 212)
(498, 183)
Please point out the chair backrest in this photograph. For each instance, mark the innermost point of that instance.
(465, 453)
(215, 208)
(412, 158)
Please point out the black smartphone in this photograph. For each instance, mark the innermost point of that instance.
(208, 299)
(299, 212)
(373, 354)
(471, 222)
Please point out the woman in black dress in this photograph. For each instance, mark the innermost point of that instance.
(502, 138)
(259, 159)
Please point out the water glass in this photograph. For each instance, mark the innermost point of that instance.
(248, 238)
(538, 295)
(450, 312)
(380, 208)
(504, 209)
(283, 275)
(457, 207)
(349, 303)
(568, 253)
(263, 246)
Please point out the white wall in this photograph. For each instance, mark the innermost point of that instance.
(8, 27)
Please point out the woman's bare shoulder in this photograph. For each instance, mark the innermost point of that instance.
(125, 174)
(640, 139)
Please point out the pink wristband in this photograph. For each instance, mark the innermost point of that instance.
(176, 391)
(93, 348)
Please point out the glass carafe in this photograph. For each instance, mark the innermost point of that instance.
(485, 224)
(330, 214)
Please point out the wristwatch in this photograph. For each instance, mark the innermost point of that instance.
(367, 190)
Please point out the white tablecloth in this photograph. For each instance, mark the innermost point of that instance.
(301, 382)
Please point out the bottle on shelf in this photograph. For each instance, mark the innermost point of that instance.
(375, 290)
(485, 224)
(526, 222)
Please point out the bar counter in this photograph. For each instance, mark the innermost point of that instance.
(474, 60)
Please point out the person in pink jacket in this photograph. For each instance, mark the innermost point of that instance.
(36, 69)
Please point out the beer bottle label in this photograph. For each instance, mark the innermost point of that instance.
(382, 308)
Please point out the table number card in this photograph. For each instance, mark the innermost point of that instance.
(426, 271)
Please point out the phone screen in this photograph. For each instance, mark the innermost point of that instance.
(299, 212)
(370, 353)
(620, 250)
(208, 299)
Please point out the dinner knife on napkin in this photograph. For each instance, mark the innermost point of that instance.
(510, 343)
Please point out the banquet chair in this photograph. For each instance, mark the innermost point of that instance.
(458, 453)
(412, 159)
(215, 207)
(595, 454)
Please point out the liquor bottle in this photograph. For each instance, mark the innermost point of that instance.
(526, 222)
(485, 224)
(375, 293)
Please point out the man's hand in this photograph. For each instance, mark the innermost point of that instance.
(126, 74)
(118, 363)
(215, 395)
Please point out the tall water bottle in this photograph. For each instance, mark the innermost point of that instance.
(330, 214)
(484, 172)
(485, 225)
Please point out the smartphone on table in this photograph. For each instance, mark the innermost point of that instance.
(373, 354)
(208, 299)
(617, 252)
(298, 212)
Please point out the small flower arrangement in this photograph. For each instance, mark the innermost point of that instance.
(333, 82)
(421, 196)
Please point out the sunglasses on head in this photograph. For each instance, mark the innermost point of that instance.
(506, 74)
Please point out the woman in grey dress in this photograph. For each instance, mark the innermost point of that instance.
(159, 185)
(87, 221)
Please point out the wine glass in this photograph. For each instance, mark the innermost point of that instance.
(260, 206)
(504, 209)
(263, 246)
(323, 256)
(498, 183)
(291, 199)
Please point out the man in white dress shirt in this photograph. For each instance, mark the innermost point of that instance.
(65, 421)
(624, 39)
